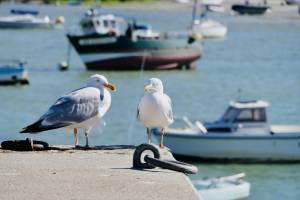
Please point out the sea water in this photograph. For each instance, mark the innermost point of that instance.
(259, 56)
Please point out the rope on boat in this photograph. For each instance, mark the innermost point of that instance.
(129, 136)
(142, 160)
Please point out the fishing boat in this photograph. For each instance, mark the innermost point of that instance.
(223, 188)
(250, 9)
(241, 134)
(104, 46)
(13, 72)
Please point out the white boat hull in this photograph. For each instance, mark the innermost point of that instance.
(219, 146)
(210, 29)
(227, 192)
(25, 21)
(11, 75)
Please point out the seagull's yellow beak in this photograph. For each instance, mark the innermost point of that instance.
(147, 88)
(110, 86)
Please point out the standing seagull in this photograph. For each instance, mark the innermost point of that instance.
(82, 108)
(154, 109)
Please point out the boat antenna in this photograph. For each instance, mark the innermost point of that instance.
(239, 94)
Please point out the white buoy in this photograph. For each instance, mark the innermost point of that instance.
(64, 65)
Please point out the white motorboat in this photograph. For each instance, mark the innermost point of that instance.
(28, 21)
(24, 21)
(13, 72)
(203, 27)
(223, 188)
(242, 133)
(208, 28)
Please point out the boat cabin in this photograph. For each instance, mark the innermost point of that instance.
(93, 23)
(143, 32)
(241, 116)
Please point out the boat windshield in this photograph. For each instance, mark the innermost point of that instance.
(229, 114)
(109, 24)
(251, 115)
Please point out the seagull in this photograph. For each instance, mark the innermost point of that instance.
(155, 109)
(82, 108)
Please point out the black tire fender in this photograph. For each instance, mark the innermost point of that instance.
(137, 160)
(172, 165)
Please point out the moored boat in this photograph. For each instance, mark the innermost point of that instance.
(250, 9)
(24, 21)
(103, 46)
(207, 28)
(13, 72)
(241, 134)
(204, 27)
(223, 188)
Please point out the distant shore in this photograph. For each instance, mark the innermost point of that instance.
(279, 9)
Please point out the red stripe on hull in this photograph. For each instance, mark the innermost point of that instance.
(150, 62)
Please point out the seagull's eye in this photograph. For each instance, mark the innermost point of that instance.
(98, 80)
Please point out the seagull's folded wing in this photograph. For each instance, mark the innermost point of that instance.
(75, 107)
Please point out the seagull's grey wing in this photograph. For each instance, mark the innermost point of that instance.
(75, 107)
(166, 106)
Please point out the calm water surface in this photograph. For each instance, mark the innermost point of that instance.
(259, 56)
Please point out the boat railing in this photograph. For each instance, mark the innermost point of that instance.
(74, 30)
(175, 35)
(12, 62)
(188, 123)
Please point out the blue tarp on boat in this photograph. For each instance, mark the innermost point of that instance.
(24, 12)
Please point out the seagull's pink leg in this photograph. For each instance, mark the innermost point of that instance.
(75, 137)
(86, 132)
(161, 144)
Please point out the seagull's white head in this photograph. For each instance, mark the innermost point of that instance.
(99, 81)
(154, 85)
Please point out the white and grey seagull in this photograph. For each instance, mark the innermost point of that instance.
(82, 108)
(155, 109)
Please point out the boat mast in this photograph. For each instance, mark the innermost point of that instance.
(194, 11)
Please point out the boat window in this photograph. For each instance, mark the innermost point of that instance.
(251, 115)
(229, 114)
(98, 22)
(88, 24)
(105, 23)
(113, 24)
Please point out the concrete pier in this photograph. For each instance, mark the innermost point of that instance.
(101, 173)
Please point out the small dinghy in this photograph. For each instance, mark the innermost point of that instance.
(223, 188)
(13, 72)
